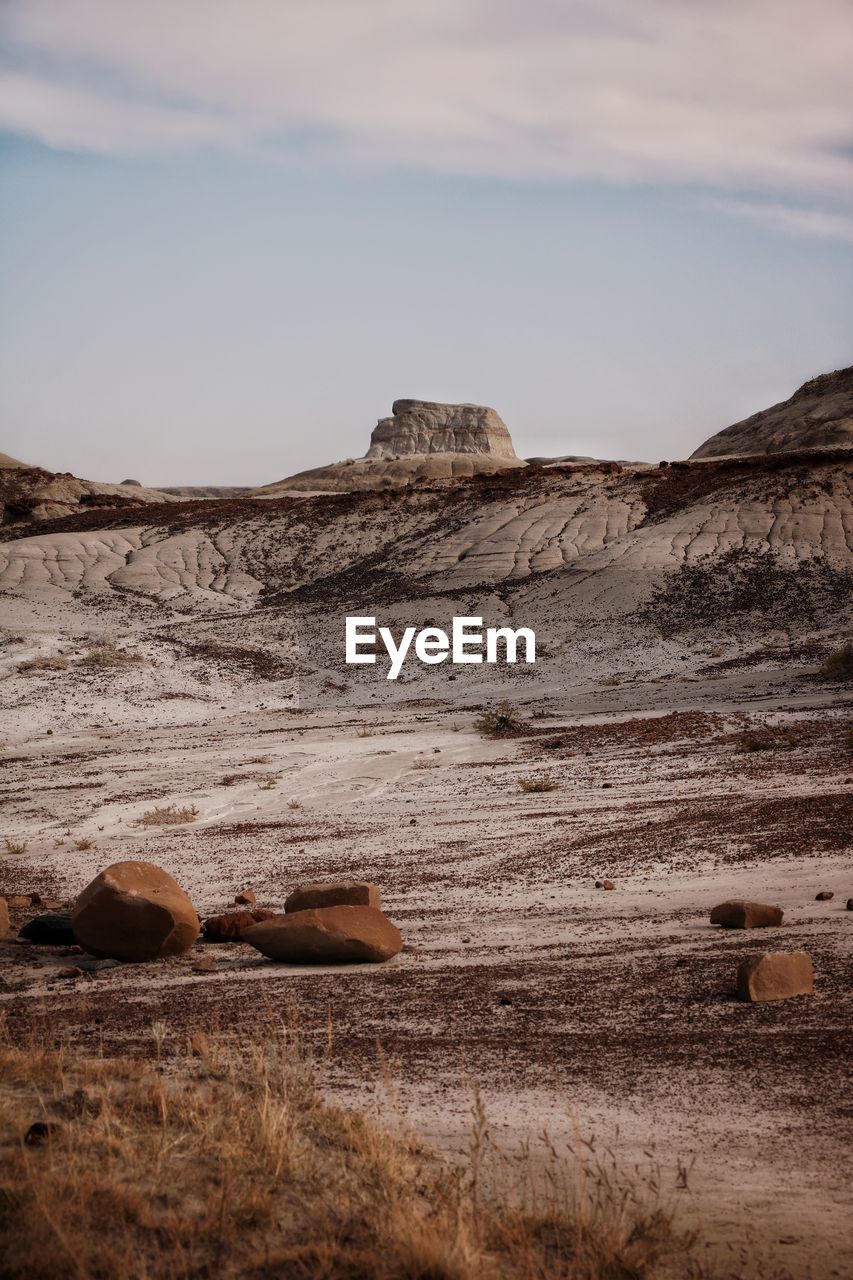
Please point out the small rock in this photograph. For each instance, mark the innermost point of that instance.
(825, 895)
(72, 971)
(333, 893)
(50, 929)
(41, 1131)
(19, 901)
(604, 884)
(775, 975)
(850, 904)
(89, 964)
(206, 964)
(606, 785)
(466, 940)
(413, 822)
(245, 899)
(746, 915)
(231, 926)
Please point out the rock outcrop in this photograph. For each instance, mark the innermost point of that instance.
(51, 929)
(334, 893)
(746, 915)
(134, 911)
(775, 975)
(421, 426)
(817, 416)
(328, 935)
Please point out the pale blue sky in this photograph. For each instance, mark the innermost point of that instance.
(221, 264)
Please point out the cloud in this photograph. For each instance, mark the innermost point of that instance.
(791, 220)
(746, 94)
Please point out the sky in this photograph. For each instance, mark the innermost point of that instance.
(234, 231)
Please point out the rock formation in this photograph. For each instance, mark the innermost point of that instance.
(819, 415)
(420, 426)
(231, 926)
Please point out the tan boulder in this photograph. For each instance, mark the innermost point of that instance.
(134, 911)
(328, 935)
(333, 893)
(231, 926)
(775, 975)
(746, 915)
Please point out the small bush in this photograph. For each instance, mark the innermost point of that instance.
(15, 847)
(85, 842)
(169, 815)
(109, 655)
(542, 782)
(259, 760)
(294, 804)
(35, 665)
(499, 721)
(839, 665)
(423, 763)
(231, 779)
(268, 784)
(366, 733)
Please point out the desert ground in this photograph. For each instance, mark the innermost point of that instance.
(172, 689)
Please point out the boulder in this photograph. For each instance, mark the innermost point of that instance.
(746, 915)
(50, 929)
(775, 975)
(333, 893)
(231, 926)
(328, 935)
(135, 911)
(604, 884)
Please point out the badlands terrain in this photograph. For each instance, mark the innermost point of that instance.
(682, 734)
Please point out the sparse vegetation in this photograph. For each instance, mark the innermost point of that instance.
(136, 1170)
(499, 721)
(365, 733)
(33, 666)
(85, 842)
(539, 782)
(16, 847)
(423, 763)
(259, 760)
(170, 815)
(231, 779)
(294, 804)
(768, 740)
(268, 784)
(108, 654)
(839, 664)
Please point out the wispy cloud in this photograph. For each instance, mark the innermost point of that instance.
(792, 220)
(735, 94)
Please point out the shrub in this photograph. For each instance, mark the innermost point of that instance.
(541, 782)
(85, 842)
(16, 847)
(294, 804)
(109, 655)
(34, 665)
(423, 763)
(169, 815)
(499, 721)
(839, 665)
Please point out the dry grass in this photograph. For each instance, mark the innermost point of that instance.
(210, 1165)
(499, 721)
(538, 782)
(170, 815)
(108, 654)
(36, 665)
(85, 842)
(294, 804)
(423, 762)
(15, 847)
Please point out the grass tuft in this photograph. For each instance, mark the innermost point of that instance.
(499, 721)
(170, 815)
